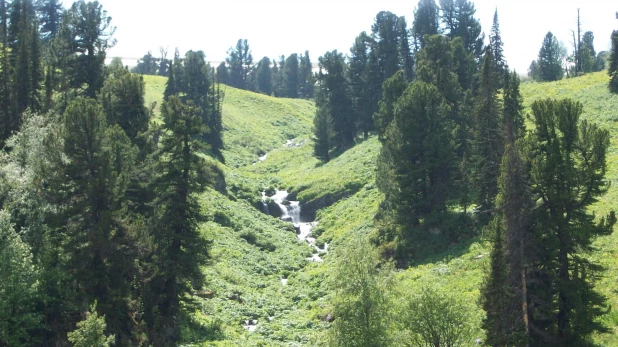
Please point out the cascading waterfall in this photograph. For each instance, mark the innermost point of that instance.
(290, 212)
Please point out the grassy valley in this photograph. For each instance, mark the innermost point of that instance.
(252, 252)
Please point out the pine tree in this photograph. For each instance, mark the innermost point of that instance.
(568, 163)
(264, 77)
(458, 19)
(180, 249)
(550, 66)
(337, 104)
(513, 105)
(222, 73)
(91, 191)
(306, 81)
(613, 64)
(385, 33)
(323, 128)
(5, 115)
(88, 34)
(290, 76)
(359, 82)
(495, 42)
(406, 58)
(122, 98)
(488, 137)
(415, 166)
(50, 15)
(240, 62)
(426, 22)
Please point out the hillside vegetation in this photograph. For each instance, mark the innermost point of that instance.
(253, 252)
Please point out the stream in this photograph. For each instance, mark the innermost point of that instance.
(290, 212)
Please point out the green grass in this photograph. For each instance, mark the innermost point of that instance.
(251, 252)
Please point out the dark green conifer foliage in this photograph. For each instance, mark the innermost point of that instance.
(417, 153)
(264, 77)
(180, 249)
(426, 22)
(306, 81)
(497, 49)
(91, 191)
(222, 73)
(391, 92)
(122, 98)
(385, 33)
(50, 15)
(513, 105)
(436, 65)
(360, 78)
(323, 127)
(337, 103)
(568, 163)
(290, 76)
(458, 19)
(406, 57)
(240, 62)
(488, 136)
(549, 64)
(171, 86)
(613, 64)
(5, 116)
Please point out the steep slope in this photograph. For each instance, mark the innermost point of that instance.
(253, 252)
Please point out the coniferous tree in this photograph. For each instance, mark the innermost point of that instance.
(613, 64)
(323, 127)
(50, 15)
(568, 163)
(240, 62)
(360, 79)
(549, 61)
(290, 76)
(5, 116)
(513, 105)
(458, 19)
(406, 57)
(122, 98)
(337, 103)
(87, 33)
(222, 73)
(385, 33)
(91, 193)
(488, 136)
(306, 82)
(415, 166)
(264, 77)
(426, 22)
(180, 249)
(495, 42)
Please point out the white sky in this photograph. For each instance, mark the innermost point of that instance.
(276, 27)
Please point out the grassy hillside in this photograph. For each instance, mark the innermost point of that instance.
(253, 252)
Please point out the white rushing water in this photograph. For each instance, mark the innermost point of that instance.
(290, 212)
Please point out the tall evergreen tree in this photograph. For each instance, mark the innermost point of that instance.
(91, 194)
(87, 32)
(549, 61)
(513, 105)
(458, 20)
(306, 82)
(495, 42)
(240, 62)
(488, 136)
(613, 64)
(180, 249)
(222, 73)
(364, 82)
(122, 98)
(264, 77)
(290, 76)
(406, 57)
(568, 163)
(50, 15)
(426, 22)
(417, 154)
(5, 116)
(323, 127)
(332, 79)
